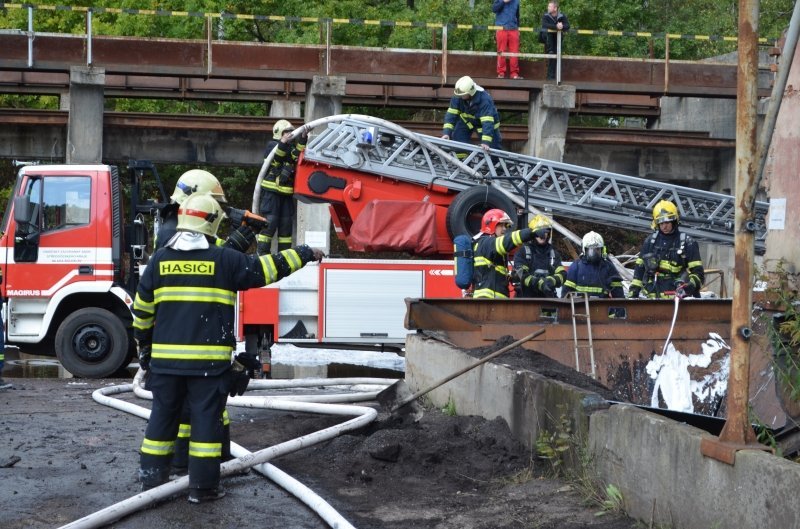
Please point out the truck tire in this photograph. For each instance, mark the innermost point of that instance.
(467, 208)
(92, 343)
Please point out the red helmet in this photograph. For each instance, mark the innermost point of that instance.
(492, 218)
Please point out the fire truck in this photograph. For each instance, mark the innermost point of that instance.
(72, 252)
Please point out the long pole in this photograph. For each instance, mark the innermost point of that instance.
(737, 428)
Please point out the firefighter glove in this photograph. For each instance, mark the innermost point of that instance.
(239, 379)
(682, 291)
(650, 262)
(241, 239)
(318, 254)
(250, 362)
(547, 285)
(287, 175)
(633, 292)
(144, 356)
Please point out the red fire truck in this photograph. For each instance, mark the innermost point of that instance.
(71, 258)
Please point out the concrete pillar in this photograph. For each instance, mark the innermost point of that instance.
(286, 108)
(547, 121)
(324, 98)
(85, 125)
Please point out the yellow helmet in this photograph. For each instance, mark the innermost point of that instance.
(280, 127)
(540, 223)
(200, 213)
(664, 211)
(197, 181)
(465, 86)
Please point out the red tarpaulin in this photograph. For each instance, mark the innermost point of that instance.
(395, 225)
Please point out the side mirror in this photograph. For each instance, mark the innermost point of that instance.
(22, 210)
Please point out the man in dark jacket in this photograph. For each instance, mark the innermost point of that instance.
(472, 110)
(277, 187)
(537, 264)
(593, 273)
(507, 16)
(184, 314)
(669, 262)
(491, 250)
(557, 22)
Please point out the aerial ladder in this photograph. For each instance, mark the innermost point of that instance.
(353, 160)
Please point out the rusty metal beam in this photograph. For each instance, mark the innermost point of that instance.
(416, 68)
(136, 120)
(738, 434)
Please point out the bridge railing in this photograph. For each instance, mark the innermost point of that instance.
(444, 38)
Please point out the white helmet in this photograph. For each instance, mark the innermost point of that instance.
(197, 181)
(280, 127)
(593, 247)
(200, 213)
(465, 86)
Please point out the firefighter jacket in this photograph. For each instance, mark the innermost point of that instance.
(491, 274)
(666, 262)
(478, 113)
(186, 302)
(598, 280)
(280, 175)
(534, 262)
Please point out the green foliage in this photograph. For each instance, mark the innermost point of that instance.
(554, 446)
(450, 408)
(612, 502)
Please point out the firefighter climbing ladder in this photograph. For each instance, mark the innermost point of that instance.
(380, 147)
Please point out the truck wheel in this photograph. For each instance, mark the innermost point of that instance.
(467, 208)
(92, 343)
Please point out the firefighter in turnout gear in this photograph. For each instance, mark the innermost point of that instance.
(277, 187)
(537, 265)
(189, 183)
(491, 250)
(593, 273)
(198, 181)
(669, 262)
(472, 110)
(184, 314)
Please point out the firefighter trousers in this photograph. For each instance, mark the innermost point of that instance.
(206, 397)
(180, 459)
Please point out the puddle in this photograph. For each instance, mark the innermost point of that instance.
(288, 361)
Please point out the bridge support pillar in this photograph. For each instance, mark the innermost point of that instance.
(547, 121)
(85, 125)
(324, 98)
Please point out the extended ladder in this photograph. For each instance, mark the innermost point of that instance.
(583, 316)
(380, 147)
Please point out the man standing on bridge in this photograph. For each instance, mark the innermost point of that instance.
(471, 110)
(507, 17)
(557, 23)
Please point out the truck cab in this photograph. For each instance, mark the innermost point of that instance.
(65, 284)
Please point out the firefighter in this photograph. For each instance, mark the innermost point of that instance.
(199, 181)
(491, 249)
(669, 262)
(277, 187)
(184, 314)
(593, 273)
(189, 183)
(537, 265)
(472, 110)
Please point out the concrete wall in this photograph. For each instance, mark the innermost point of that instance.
(654, 461)
(657, 465)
